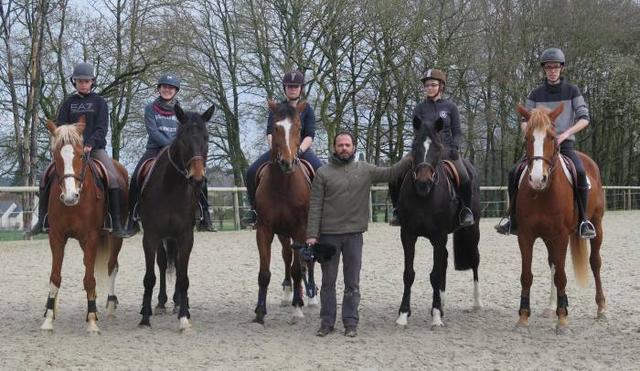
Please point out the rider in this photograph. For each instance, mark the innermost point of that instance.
(85, 102)
(162, 126)
(434, 105)
(574, 118)
(292, 84)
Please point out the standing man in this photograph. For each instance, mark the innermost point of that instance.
(338, 215)
(554, 91)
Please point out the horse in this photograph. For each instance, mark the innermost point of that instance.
(77, 209)
(545, 208)
(167, 207)
(282, 205)
(428, 207)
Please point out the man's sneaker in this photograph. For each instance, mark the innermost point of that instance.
(506, 228)
(324, 331)
(466, 217)
(587, 230)
(350, 331)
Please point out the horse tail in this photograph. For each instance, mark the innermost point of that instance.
(101, 266)
(465, 248)
(579, 258)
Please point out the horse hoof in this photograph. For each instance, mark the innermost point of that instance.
(437, 326)
(549, 313)
(402, 319)
(144, 323)
(562, 330)
(160, 310)
(313, 301)
(185, 325)
(93, 329)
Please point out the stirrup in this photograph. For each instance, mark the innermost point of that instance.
(250, 217)
(465, 217)
(586, 230)
(506, 227)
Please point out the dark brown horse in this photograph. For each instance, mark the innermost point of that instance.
(546, 209)
(77, 209)
(168, 205)
(282, 205)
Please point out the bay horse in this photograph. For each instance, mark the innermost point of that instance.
(546, 209)
(77, 209)
(168, 202)
(428, 207)
(282, 205)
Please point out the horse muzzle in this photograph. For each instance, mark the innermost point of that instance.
(70, 198)
(423, 187)
(196, 170)
(288, 166)
(539, 183)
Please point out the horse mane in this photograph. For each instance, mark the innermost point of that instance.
(539, 120)
(66, 134)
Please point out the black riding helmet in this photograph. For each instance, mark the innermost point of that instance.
(83, 71)
(552, 55)
(169, 79)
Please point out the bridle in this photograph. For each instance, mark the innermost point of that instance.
(79, 178)
(435, 177)
(550, 161)
(184, 172)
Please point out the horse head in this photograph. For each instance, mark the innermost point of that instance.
(188, 151)
(541, 144)
(69, 159)
(427, 150)
(285, 139)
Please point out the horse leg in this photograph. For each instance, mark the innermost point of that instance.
(184, 246)
(553, 293)
(115, 244)
(89, 246)
(296, 275)
(57, 244)
(438, 278)
(264, 239)
(526, 278)
(558, 249)
(596, 262)
(311, 287)
(161, 258)
(150, 245)
(409, 247)
(287, 257)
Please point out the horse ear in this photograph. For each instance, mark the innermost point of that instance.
(51, 126)
(416, 123)
(208, 113)
(180, 114)
(81, 124)
(302, 105)
(556, 112)
(439, 124)
(523, 111)
(272, 105)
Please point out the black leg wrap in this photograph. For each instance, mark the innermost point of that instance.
(112, 298)
(51, 303)
(524, 305)
(563, 303)
(91, 306)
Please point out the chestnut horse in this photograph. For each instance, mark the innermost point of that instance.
(546, 209)
(168, 203)
(282, 205)
(77, 209)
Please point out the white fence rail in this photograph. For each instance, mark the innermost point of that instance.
(227, 203)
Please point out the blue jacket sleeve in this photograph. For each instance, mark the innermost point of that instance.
(308, 122)
(270, 123)
(98, 138)
(152, 127)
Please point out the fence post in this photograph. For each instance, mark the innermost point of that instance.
(628, 200)
(236, 209)
(370, 206)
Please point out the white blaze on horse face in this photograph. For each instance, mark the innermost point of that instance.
(286, 125)
(67, 159)
(426, 144)
(537, 170)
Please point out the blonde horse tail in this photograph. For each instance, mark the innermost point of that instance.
(101, 267)
(579, 258)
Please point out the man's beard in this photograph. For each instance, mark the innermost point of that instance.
(345, 156)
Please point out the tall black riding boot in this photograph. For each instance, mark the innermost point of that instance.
(205, 224)
(510, 226)
(43, 203)
(465, 218)
(115, 202)
(585, 227)
(132, 224)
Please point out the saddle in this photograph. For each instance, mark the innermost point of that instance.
(147, 168)
(452, 173)
(568, 168)
(306, 167)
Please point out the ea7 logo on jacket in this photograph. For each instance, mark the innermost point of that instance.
(443, 114)
(82, 107)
